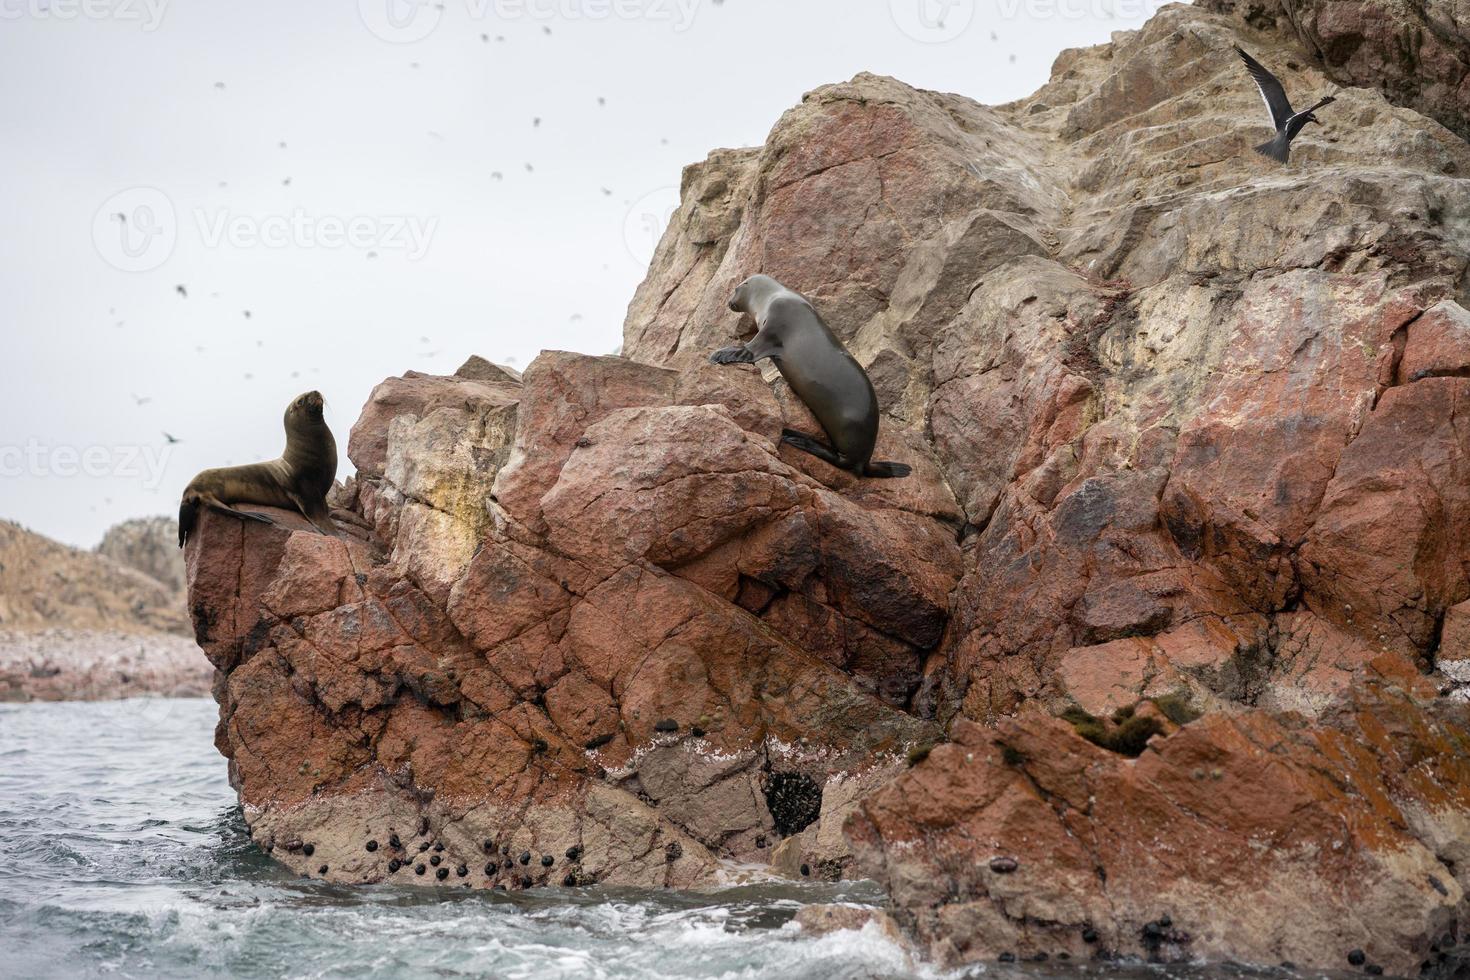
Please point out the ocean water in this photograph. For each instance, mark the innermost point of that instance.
(125, 855)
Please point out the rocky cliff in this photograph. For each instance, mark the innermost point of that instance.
(45, 584)
(148, 545)
(1158, 653)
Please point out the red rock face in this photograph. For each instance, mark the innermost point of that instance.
(1188, 450)
(1250, 831)
(1200, 416)
(608, 638)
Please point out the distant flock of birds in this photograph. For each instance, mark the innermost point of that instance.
(1287, 123)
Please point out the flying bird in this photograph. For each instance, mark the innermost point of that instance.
(172, 440)
(1286, 122)
(140, 400)
(182, 290)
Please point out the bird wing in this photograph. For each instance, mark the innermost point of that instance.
(1271, 91)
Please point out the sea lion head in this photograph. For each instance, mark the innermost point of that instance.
(311, 452)
(750, 296)
(306, 408)
(306, 427)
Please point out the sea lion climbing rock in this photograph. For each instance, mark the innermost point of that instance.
(299, 480)
(821, 372)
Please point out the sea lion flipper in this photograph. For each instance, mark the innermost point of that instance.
(738, 354)
(319, 516)
(887, 471)
(814, 447)
(325, 525)
(805, 443)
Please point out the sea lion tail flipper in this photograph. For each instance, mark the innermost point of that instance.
(215, 504)
(887, 471)
(188, 514)
(737, 354)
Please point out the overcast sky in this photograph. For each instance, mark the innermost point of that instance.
(331, 166)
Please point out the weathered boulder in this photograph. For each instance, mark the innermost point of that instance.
(590, 614)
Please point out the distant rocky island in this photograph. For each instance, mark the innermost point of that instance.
(90, 625)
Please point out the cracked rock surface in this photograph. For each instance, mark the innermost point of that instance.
(589, 615)
(1189, 465)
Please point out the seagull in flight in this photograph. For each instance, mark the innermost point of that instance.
(1288, 123)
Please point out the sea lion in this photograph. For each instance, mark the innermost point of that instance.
(821, 372)
(299, 480)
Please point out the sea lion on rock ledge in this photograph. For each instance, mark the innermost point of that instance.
(821, 372)
(299, 480)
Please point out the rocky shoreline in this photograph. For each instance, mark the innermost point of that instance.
(1158, 654)
(96, 665)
